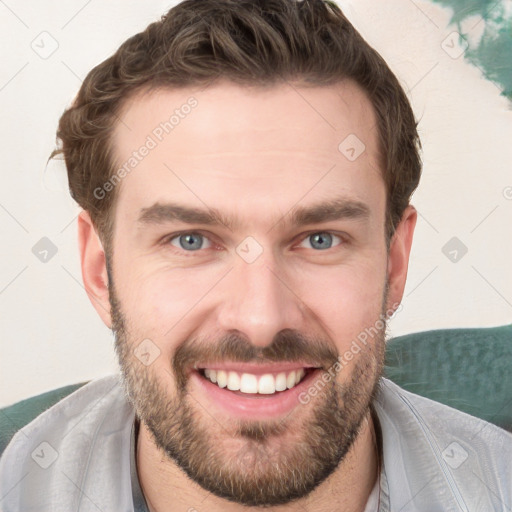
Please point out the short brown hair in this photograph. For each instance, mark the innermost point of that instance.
(249, 42)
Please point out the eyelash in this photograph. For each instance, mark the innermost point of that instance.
(167, 240)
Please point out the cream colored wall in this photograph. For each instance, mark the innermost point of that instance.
(50, 334)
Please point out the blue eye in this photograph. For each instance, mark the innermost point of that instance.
(190, 242)
(321, 240)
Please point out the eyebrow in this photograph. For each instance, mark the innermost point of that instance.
(336, 209)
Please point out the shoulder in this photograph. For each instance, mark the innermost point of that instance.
(14, 417)
(51, 407)
(91, 425)
(443, 451)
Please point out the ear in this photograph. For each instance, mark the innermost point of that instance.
(94, 268)
(398, 258)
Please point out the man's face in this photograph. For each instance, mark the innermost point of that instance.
(286, 275)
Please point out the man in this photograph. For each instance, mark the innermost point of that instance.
(245, 170)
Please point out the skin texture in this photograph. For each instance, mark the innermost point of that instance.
(255, 155)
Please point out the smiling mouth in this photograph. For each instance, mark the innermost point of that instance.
(254, 391)
(247, 383)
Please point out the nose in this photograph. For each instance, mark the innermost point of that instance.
(258, 300)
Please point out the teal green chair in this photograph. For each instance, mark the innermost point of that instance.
(467, 369)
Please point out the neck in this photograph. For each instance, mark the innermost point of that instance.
(167, 488)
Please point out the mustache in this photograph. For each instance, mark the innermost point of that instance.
(288, 345)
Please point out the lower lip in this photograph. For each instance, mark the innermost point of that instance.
(254, 406)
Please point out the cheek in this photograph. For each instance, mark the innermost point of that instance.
(161, 302)
(345, 301)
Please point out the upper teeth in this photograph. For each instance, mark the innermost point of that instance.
(249, 383)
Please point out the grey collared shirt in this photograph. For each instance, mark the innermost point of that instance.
(79, 456)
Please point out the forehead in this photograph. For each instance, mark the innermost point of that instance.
(250, 149)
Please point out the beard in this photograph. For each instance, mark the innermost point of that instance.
(250, 462)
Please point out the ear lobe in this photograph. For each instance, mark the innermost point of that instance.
(398, 257)
(94, 269)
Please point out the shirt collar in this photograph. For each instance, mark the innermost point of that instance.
(139, 502)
